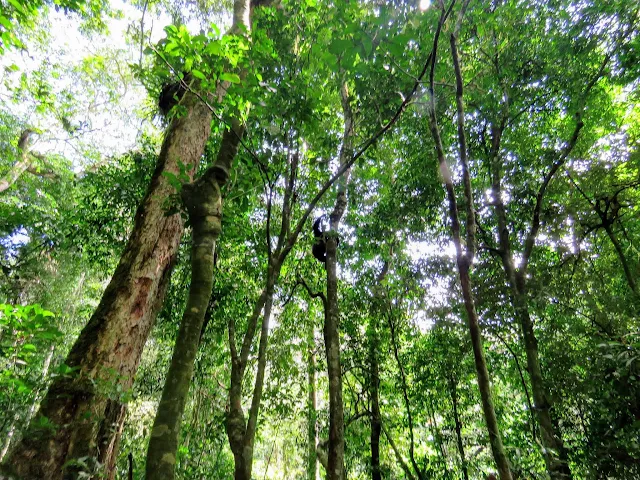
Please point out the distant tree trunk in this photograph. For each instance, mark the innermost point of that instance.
(374, 373)
(376, 423)
(312, 462)
(628, 273)
(335, 460)
(453, 392)
(554, 452)
(88, 419)
(241, 432)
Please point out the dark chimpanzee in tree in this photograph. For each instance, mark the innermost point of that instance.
(172, 93)
(319, 249)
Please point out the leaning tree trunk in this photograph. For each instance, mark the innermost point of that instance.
(88, 420)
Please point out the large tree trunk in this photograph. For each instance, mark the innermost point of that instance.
(335, 470)
(84, 407)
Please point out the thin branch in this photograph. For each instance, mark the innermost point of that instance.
(535, 222)
(522, 380)
(311, 293)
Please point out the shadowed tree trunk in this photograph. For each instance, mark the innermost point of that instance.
(374, 374)
(87, 419)
(453, 392)
(376, 423)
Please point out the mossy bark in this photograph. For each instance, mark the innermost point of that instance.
(204, 205)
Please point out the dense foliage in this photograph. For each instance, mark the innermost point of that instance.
(478, 167)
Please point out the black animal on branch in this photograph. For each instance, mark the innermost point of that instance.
(172, 93)
(319, 249)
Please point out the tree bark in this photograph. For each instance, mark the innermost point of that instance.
(376, 423)
(240, 432)
(553, 450)
(374, 374)
(204, 205)
(453, 391)
(335, 462)
(84, 407)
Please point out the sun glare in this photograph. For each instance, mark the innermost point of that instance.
(424, 4)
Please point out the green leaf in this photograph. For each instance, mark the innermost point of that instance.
(230, 77)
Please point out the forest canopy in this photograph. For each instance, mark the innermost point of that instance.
(299, 240)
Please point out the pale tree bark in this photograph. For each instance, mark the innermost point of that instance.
(87, 419)
(465, 253)
(24, 162)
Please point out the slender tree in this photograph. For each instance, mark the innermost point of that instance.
(465, 253)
